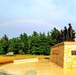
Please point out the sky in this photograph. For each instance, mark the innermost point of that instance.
(26, 16)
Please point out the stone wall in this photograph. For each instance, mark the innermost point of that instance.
(64, 54)
(69, 58)
(57, 54)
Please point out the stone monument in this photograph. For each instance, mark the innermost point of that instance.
(70, 32)
(65, 33)
(64, 53)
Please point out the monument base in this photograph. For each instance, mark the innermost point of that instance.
(64, 54)
(71, 40)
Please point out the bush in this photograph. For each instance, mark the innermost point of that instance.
(21, 52)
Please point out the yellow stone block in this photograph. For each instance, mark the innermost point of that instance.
(64, 54)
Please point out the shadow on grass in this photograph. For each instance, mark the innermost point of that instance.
(31, 72)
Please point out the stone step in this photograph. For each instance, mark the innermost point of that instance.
(26, 60)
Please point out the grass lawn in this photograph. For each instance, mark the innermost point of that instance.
(7, 59)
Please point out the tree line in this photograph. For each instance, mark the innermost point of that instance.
(37, 43)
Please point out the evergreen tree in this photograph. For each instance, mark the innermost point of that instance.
(4, 43)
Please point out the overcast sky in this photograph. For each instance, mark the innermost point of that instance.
(19, 16)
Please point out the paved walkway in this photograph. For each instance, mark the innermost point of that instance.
(42, 67)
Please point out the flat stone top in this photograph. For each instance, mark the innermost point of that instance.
(65, 43)
(72, 43)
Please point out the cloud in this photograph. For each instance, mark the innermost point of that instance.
(58, 10)
(37, 8)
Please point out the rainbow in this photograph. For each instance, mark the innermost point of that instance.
(29, 20)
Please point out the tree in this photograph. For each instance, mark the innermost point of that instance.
(54, 34)
(73, 34)
(34, 42)
(14, 45)
(44, 46)
(1, 49)
(4, 43)
(24, 42)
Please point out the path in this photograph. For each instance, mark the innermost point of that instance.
(42, 67)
